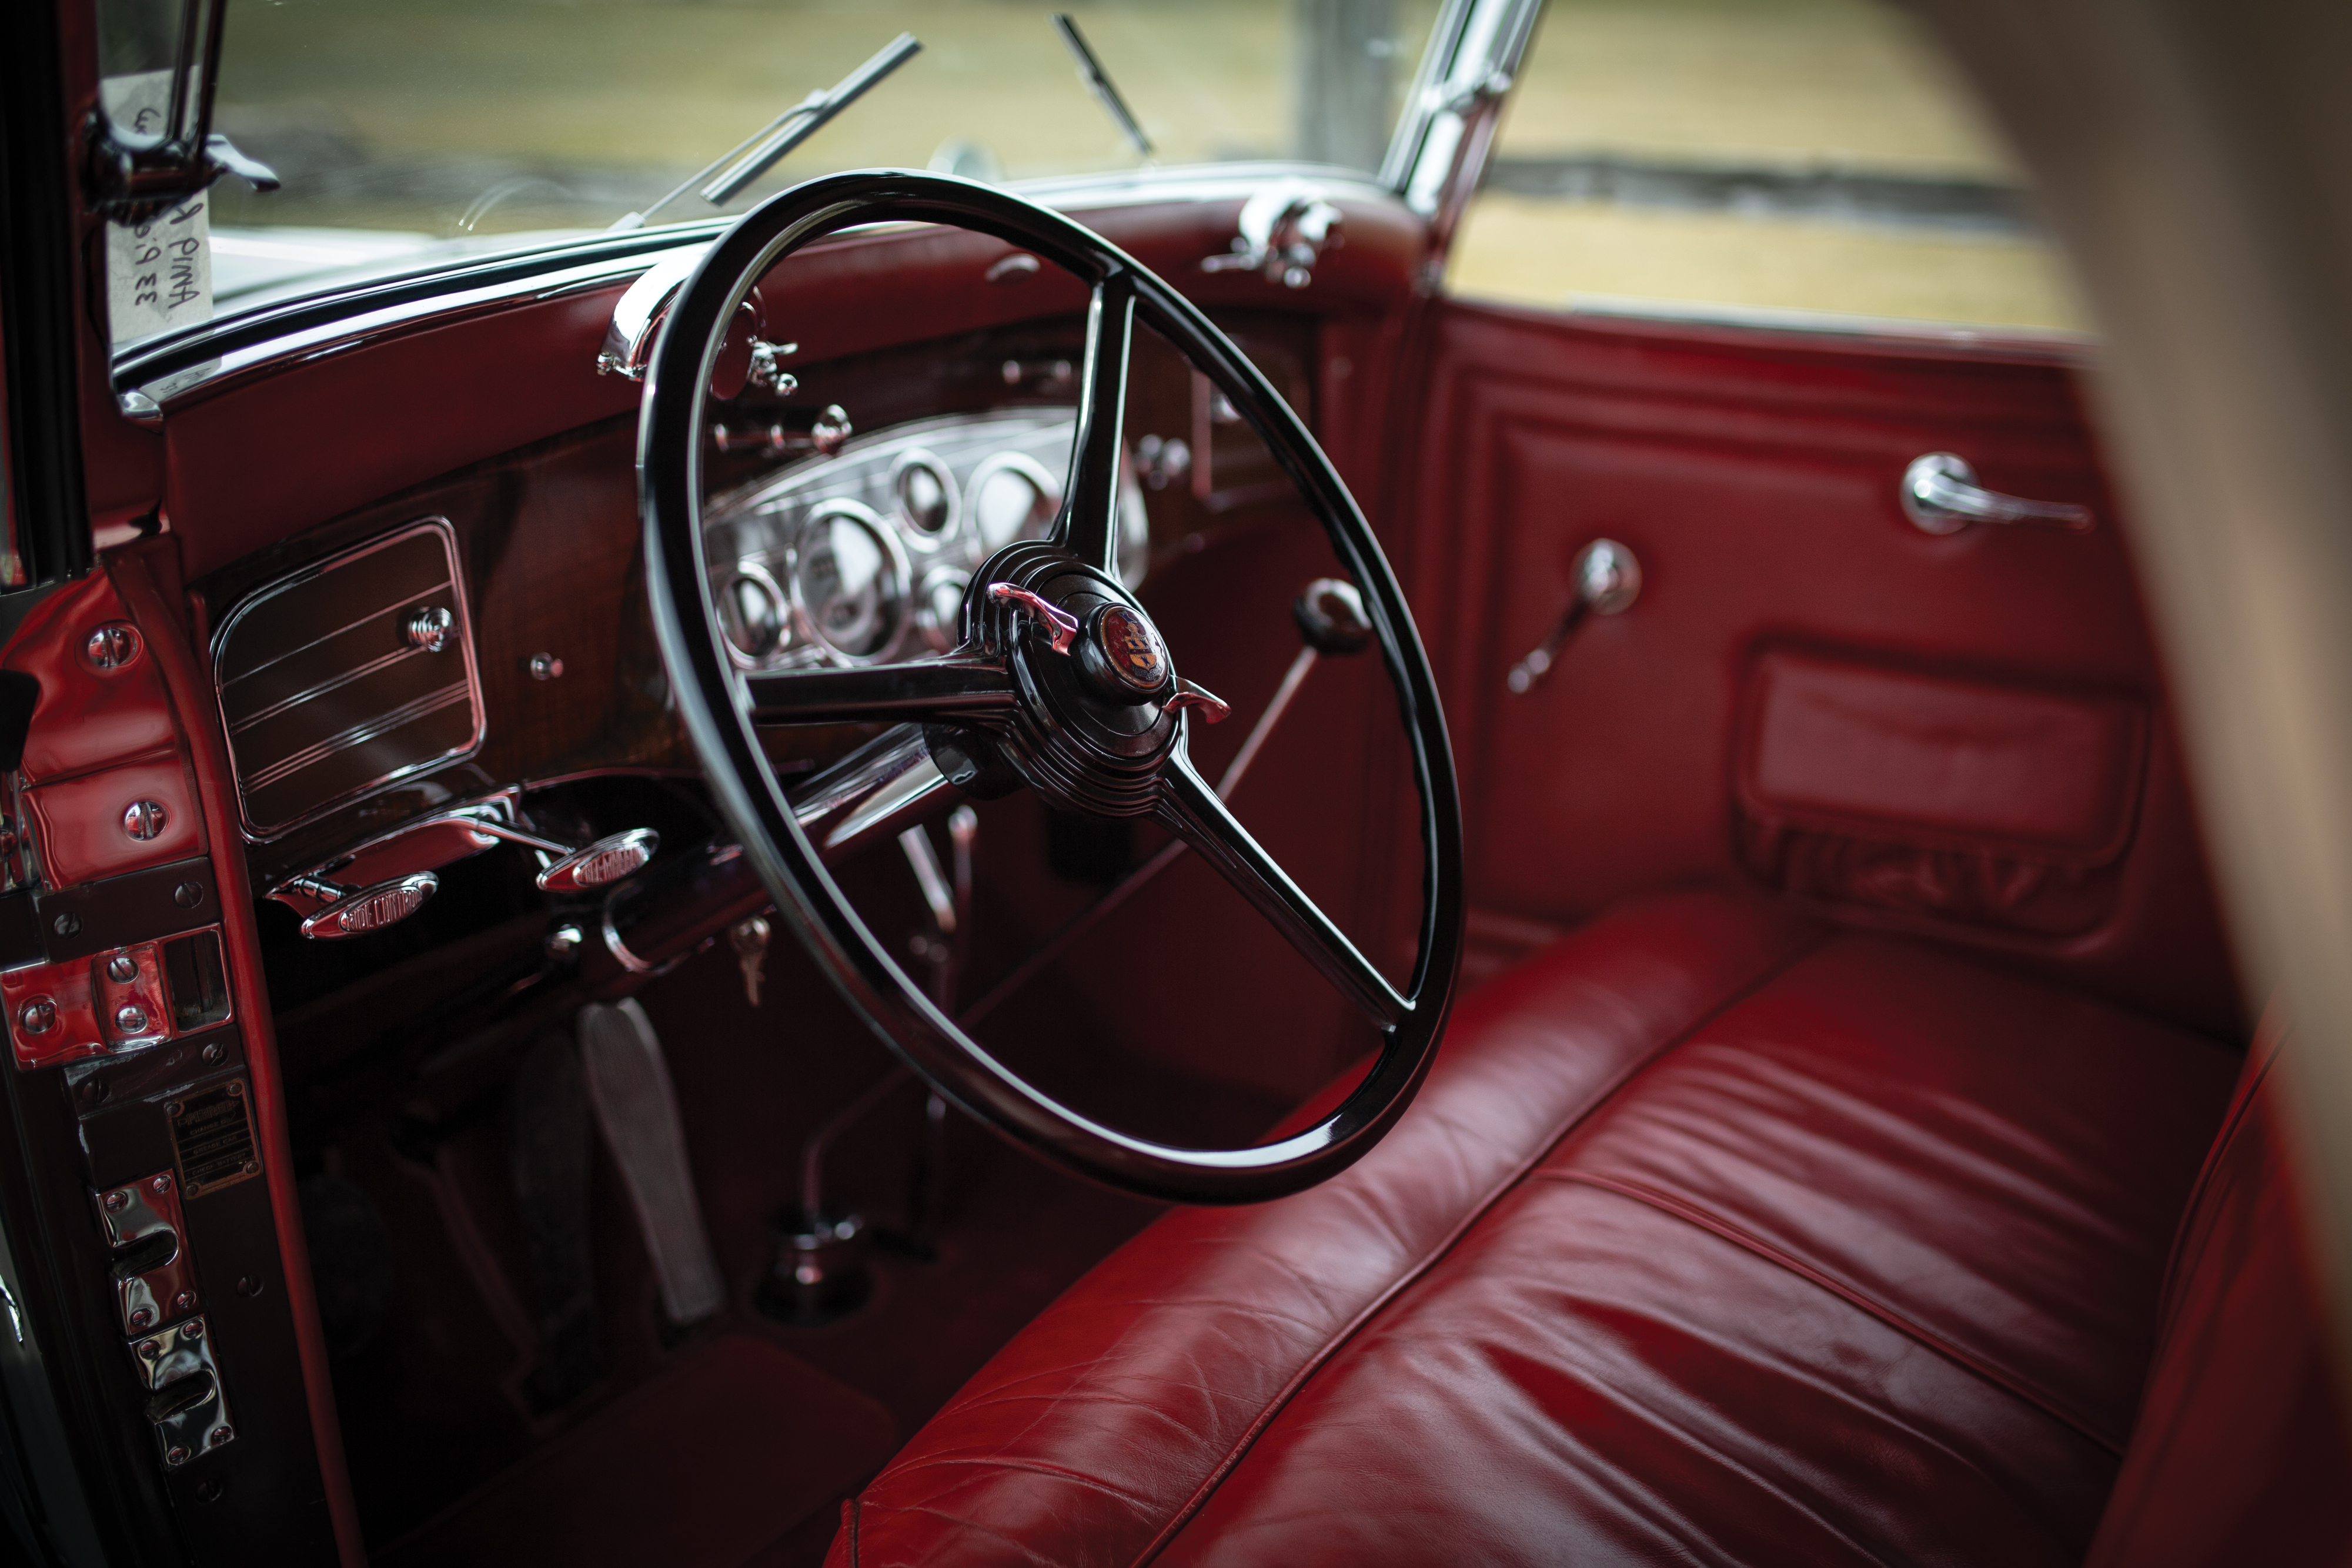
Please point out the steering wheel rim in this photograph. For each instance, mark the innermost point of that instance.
(720, 710)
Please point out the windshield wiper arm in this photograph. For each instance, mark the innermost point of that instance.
(1099, 83)
(758, 152)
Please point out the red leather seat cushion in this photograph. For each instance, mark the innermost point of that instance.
(1715, 1236)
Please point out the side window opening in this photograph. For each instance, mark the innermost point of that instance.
(1746, 157)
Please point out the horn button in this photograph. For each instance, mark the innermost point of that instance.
(1093, 726)
(1121, 656)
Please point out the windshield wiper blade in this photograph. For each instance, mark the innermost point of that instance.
(760, 151)
(1099, 83)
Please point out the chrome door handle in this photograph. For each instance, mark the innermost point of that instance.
(1941, 494)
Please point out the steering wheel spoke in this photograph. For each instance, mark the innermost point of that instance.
(1194, 813)
(959, 687)
(1088, 528)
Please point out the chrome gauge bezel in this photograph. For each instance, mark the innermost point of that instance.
(917, 536)
(940, 635)
(1048, 488)
(751, 571)
(897, 586)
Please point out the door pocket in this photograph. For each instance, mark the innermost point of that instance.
(1960, 799)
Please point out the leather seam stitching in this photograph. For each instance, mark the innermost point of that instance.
(1436, 1254)
(1693, 1214)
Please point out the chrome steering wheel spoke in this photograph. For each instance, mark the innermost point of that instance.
(959, 686)
(1088, 526)
(1195, 813)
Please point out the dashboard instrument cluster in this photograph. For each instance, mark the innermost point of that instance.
(865, 557)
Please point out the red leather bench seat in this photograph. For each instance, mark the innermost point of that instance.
(1716, 1236)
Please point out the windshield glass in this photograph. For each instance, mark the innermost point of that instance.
(408, 125)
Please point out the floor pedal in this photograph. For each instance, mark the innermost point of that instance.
(629, 1084)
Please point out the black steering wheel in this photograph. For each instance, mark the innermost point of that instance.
(1061, 683)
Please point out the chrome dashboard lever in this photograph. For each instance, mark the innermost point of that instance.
(1941, 495)
(1608, 580)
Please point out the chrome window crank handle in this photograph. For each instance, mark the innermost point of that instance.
(1608, 580)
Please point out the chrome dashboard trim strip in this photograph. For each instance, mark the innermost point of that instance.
(470, 687)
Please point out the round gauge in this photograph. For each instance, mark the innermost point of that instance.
(926, 493)
(938, 608)
(752, 613)
(850, 579)
(1012, 497)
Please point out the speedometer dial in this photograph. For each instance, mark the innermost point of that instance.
(850, 580)
(1012, 497)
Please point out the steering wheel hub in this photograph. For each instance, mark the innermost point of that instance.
(1122, 654)
(1084, 748)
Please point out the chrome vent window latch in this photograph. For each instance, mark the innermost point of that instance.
(1285, 229)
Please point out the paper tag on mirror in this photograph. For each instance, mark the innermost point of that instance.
(159, 273)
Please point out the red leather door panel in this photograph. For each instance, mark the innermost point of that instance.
(1754, 475)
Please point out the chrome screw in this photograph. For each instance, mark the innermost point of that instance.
(111, 646)
(176, 1457)
(150, 1351)
(213, 1053)
(39, 1016)
(116, 1202)
(131, 1018)
(160, 1184)
(188, 895)
(220, 1434)
(428, 628)
(122, 968)
(144, 820)
(194, 1329)
(184, 1301)
(141, 1317)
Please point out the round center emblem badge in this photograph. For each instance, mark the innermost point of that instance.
(1131, 650)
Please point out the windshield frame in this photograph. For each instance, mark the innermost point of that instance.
(1459, 53)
